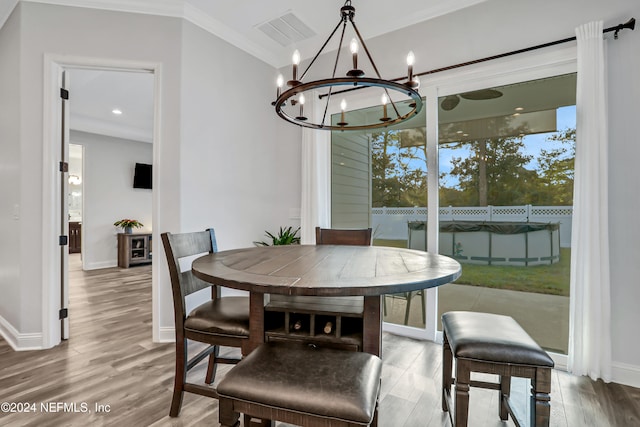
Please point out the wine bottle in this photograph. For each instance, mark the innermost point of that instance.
(328, 328)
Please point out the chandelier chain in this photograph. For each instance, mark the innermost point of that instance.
(320, 51)
(333, 75)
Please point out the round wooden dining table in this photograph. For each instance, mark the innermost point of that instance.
(326, 271)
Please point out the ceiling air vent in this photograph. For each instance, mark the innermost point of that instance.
(287, 29)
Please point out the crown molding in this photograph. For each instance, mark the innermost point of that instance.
(219, 29)
(174, 8)
(177, 9)
(5, 10)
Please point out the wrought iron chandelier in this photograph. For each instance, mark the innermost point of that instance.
(407, 103)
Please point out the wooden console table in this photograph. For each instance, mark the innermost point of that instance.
(134, 249)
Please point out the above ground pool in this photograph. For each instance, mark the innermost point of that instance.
(493, 243)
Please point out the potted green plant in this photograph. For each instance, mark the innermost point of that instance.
(128, 225)
(286, 236)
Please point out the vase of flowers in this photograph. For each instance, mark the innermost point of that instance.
(128, 225)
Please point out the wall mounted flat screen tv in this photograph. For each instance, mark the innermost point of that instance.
(142, 176)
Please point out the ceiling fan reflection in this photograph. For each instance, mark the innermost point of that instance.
(451, 101)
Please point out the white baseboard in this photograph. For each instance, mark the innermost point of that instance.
(167, 334)
(560, 360)
(623, 373)
(18, 341)
(101, 264)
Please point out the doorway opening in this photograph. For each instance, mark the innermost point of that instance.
(111, 113)
(111, 120)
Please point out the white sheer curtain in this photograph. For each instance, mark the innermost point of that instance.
(316, 154)
(590, 308)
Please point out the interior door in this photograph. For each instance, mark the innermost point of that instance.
(64, 207)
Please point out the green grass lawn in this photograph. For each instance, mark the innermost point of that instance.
(545, 279)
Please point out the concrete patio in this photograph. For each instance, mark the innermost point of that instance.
(544, 317)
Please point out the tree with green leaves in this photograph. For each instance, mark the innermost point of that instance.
(498, 173)
(495, 173)
(557, 168)
(398, 169)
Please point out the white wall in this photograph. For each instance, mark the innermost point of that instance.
(229, 149)
(238, 177)
(10, 177)
(624, 201)
(109, 194)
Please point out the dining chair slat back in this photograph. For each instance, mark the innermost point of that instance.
(333, 236)
(184, 245)
(220, 321)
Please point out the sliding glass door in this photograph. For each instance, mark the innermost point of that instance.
(506, 159)
(491, 185)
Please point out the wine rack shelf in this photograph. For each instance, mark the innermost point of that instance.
(324, 321)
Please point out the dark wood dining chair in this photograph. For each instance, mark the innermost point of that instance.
(362, 237)
(220, 321)
(333, 236)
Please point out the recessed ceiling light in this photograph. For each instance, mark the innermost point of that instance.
(519, 108)
(516, 114)
(116, 111)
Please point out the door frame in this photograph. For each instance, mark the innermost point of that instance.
(54, 65)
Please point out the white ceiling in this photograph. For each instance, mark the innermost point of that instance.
(96, 93)
(238, 21)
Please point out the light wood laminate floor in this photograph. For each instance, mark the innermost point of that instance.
(111, 360)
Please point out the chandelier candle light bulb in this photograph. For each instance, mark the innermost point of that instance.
(384, 100)
(279, 84)
(343, 108)
(301, 101)
(354, 52)
(411, 59)
(354, 72)
(296, 61)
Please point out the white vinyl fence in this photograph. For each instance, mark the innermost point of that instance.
(391, 223)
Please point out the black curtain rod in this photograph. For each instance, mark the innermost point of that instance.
(630, 24)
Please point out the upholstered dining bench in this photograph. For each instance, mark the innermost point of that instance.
(493, 344)
(302, 385)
